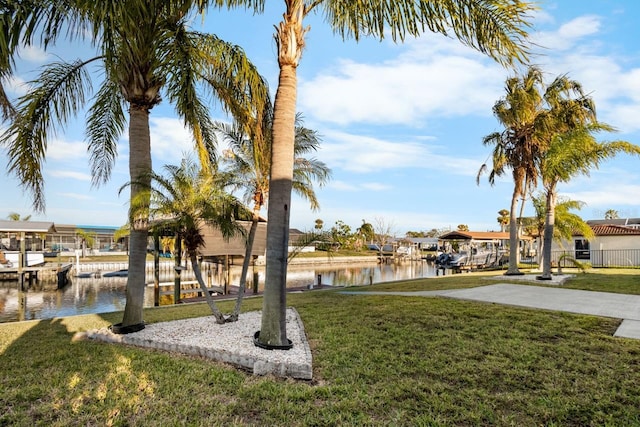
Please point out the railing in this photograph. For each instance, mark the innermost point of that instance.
(627, 258)
(166, 269)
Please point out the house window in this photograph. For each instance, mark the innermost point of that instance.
(582, 249)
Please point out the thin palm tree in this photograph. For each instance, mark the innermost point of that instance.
(146, 51)
(248, 164)
(565, 225)
(532, 113)
(184, 201)
(572, 153)
(497, 28)
(87, 240)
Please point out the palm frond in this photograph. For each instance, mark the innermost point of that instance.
(105, 123)
(58, 93)
(498, 29)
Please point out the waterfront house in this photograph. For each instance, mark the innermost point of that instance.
(616, 244)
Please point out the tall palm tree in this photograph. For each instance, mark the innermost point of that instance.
(572, 153)
(497, 28)
(248, 164)
(184, 201)
(532, 113)
(145, 50)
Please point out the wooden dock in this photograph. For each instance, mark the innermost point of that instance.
(31, 273)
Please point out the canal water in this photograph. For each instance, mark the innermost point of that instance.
(105, 294)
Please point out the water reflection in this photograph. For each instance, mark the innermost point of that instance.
(102, 295)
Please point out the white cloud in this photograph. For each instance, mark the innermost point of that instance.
(568, 34)
(34, 54)
(376, 186)
(16, 85)
(433, 77)
(59, 149)
(342, 186)
(75, 196)
(169, 139)
(363, 154)
(79, 176)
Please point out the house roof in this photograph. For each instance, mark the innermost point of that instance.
(27, 227)
(614, 221)
(614, 230)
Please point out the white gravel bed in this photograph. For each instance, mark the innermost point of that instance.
(230, 343)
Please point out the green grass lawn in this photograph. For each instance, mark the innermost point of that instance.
(378, 360)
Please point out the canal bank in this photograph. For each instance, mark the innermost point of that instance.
(104, 294)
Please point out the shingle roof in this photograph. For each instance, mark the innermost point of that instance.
(614, 230)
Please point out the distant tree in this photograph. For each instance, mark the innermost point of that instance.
(416, 234)
(14, 216)
(384, 232)
(341, 234)
(463, 227)
(87, 240)
(503, 219)
(367, 232)
(319, 224)
(435, 232)
(611, 214)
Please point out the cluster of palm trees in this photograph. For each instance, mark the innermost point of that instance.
(549, 135)
(146, 52)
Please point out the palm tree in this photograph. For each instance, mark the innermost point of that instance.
(572, 153)
(497, 28)
(248, 163)
(145, 49)
(565, 225)
(611, 214)
(503, 219)
(184, 201)
(15, 216)
(87, 239)
(532, 114)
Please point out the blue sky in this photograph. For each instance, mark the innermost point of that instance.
(401, 124)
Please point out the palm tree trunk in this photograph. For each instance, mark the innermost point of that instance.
(273, 327)
(513, 235)
(212, 305)
(548, 234)
(245, 267)
(139, 165)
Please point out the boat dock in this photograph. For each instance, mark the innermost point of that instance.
(31, 273)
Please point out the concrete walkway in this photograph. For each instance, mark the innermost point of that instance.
(606, 304)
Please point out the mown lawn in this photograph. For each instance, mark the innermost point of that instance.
(378, 360)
